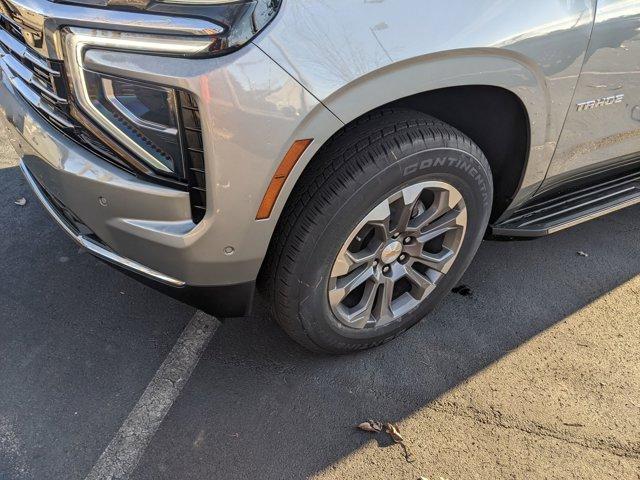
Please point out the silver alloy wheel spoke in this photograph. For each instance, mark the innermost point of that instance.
(350, 282)
(409, 199)
(380, 217)
(360, 316)
(444, 201)
(448, 221)
(422, 283)
(382, 309)
(440, 261)
(396, 255)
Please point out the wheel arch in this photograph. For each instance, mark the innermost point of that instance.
(460, 88)
(504, 136)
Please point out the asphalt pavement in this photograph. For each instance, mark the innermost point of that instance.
(533, 373)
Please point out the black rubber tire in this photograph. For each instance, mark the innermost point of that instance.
(357, 169)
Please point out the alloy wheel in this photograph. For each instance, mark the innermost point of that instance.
(396, 255)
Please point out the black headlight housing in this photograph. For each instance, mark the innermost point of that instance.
(153, 128)
(163, 123)
(147, 114)
(240, 20)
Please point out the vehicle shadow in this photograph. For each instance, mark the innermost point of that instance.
(260, 407)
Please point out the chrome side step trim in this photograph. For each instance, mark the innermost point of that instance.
(95, 248)
(572, 209)
(634, 200)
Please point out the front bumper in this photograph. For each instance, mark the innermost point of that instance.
(73, 185)
(89, 241)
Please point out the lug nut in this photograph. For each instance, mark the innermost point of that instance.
(375, 263)
(402, 257)
(407, 240)
(396, 235)
(385, 269)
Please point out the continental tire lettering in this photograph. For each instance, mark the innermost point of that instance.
(427, 163)
(464, 166)
(460, 163)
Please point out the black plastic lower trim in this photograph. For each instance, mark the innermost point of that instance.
(225, 301)
(222, 301)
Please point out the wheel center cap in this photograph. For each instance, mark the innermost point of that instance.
(391, 252)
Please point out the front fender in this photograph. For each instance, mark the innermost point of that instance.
(354, 56)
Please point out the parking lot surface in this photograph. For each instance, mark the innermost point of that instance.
(534, 374)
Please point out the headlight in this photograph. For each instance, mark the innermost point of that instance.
(146, 114)
(142, 117)
(240, 20)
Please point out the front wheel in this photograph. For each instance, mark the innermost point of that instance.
(380, 227)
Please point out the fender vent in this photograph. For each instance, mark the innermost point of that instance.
(194, 148)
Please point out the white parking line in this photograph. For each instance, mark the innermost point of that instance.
(125, 450)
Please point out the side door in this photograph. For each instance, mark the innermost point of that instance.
(602, 127)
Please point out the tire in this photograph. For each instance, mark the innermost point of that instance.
(366, 163)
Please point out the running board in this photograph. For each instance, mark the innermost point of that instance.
(550, 216)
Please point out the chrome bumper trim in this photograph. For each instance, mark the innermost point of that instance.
(93, 247)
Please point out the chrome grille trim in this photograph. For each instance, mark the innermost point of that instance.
(19, 49)
(37, 101)
(32, 79)
(32, 76)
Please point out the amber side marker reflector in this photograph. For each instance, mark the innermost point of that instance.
(283, 171)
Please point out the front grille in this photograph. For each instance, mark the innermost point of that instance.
(38, 80)
(42, 83)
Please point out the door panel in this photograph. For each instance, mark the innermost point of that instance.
(602, 127)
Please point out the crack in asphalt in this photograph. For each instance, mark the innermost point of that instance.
(498, 419)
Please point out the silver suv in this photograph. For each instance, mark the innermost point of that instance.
(345, 158)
